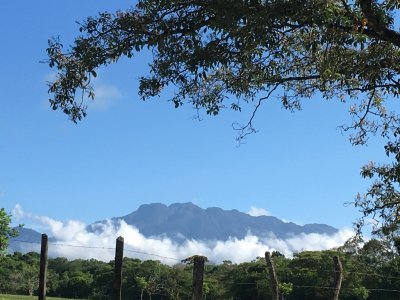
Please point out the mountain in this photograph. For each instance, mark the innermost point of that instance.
(27, 240)
(181, 221)
(186, 221)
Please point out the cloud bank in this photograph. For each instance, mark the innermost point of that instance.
(73, 241)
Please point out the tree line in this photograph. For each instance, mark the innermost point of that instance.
(369, 272)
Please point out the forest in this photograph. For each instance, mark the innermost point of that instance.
(369, 272)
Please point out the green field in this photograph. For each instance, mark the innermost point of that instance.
(14, 297)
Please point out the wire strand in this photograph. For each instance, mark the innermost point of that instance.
(177, 259)
(99, 247)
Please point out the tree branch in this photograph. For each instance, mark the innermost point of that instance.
(248, 129)
(374, 23)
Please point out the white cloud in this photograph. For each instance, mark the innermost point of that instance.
(105, 97)
(256, 212)
(75, 241)
(17, 212)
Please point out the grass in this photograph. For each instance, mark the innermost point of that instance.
(15, 297)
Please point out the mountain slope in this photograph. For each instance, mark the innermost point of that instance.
(181, 221)
(27, 240)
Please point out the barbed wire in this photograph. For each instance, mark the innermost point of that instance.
(345, 288)
(315, 286)
(239, 283)
(152, 254)
(334, 271)
(21, 241)
(100, 248)
(285, 269)
(66, 245)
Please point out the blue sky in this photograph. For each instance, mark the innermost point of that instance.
(299, 166)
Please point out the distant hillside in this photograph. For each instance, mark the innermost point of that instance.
(30, 241)
(181, 221)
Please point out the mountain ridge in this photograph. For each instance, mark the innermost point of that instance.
(187, 221)
(213, 223)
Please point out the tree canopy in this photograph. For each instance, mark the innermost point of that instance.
(6, 231)
(228, 53)
(372, 272)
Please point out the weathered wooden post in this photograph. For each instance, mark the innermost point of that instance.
(273, 281)
(198, 275)
(43, 267)
(119, 254)
(338, 277)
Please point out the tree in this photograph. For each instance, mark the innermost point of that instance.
(79, 284)
(151, 278)
(6, 231)
(142, 285)
(228, 53)
(29, 278)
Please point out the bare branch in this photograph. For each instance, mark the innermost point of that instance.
(248, 128)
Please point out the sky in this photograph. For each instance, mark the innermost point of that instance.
(298, 167)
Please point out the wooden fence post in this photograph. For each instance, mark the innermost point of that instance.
(338, 278)
(273, 281)
(43, 267)
(119, 254)
(198, 275)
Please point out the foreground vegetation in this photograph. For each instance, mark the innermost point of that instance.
(20, 297)
(370, 272)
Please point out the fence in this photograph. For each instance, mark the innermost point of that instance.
(198, 273)
(268, 278)
(197, 260)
